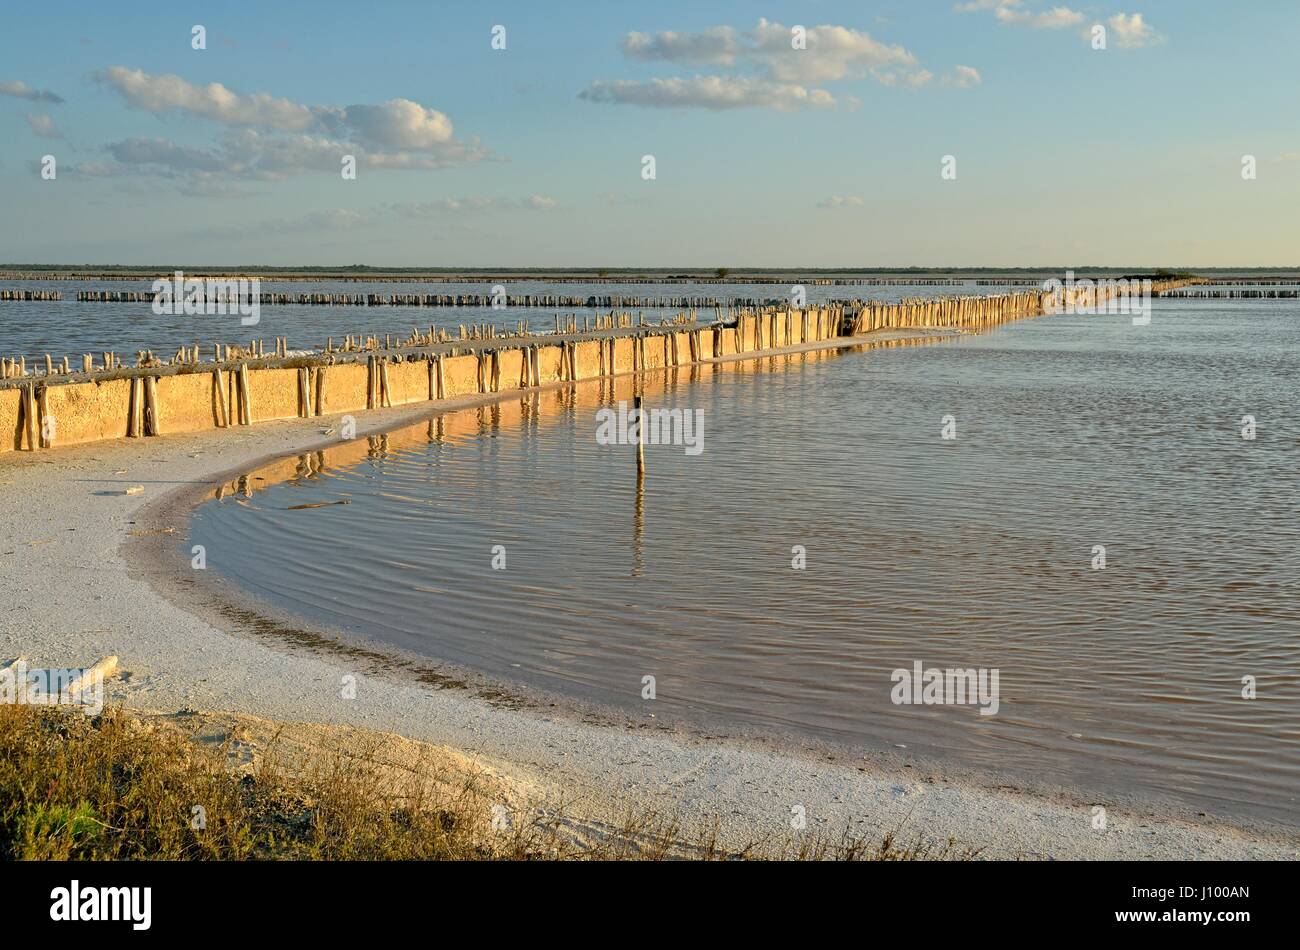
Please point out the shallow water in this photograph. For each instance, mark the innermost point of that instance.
(977, 552)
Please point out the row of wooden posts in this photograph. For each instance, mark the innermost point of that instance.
(799, 326)
(144, 409)
(31, 295)
(16, 368)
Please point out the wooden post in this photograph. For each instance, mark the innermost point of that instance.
(245, 397)
(151, 421)
(304, 392)
(320, 390)
(219, 392)
(640, 437)
(43, 413)
(135, 411)
(29, 417)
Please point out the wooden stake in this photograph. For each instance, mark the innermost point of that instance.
(151, 421)
(43, 413)
(640, 440)
(245, 397)
(29, 417)
(219, 392)
(135, 411)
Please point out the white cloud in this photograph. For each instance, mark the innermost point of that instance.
(270, 138)
(400, 123)
(716, 46)
(20, 90)
(769, 72)
(167, 154)
(170, 93)
(834, 52)
(1014, 12)
(1057, 18)
(42, 125)
(841, 201)
(254, 155)
(963, 77)
(387, 133)
(708, 92)
(1131, 31)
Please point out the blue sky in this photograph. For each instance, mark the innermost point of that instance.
(765, 155)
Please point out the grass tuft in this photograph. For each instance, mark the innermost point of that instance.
(114, 787)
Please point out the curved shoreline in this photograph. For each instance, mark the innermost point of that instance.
(177, 653)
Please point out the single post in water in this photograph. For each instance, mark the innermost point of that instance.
(640, 439)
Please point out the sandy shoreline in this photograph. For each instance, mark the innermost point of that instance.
(75, 567)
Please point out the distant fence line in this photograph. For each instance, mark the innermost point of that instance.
(1217, 294)
(457, 278)
(31, 295)
(919, 280)
(551, 301)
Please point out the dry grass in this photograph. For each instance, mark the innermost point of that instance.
(114, 787)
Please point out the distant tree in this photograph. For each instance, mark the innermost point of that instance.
(723, 271)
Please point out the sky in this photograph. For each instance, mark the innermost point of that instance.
(489, 133)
